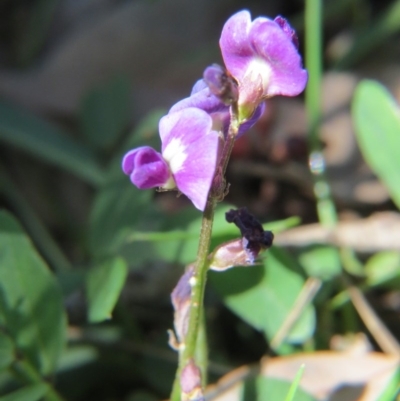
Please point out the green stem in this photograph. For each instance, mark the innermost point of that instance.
(313, 53)
(198, 280)
(198, 283)
(202, 350)
(313, 20)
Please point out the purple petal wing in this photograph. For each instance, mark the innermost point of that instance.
(290, 32)
(235, 47)
(202, 99)
(196, 175)
(198, 86)
(191, 150)
(271, 43)
(167, 124)
(184, 126)
(146, 167)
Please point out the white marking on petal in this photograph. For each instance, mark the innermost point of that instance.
(175, 154)
(253, 87)
(258, 68)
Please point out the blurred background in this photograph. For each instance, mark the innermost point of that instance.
(82, 82)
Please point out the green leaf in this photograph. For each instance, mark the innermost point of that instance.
(120, 208)
(104, 284)
(31, 306)
(117, 209)
(179, 243)
(377, 121)
(41, 139)
(185, 251)
(282, 225)
(30, 393)
(105, 112)
(7, 353)
(295, 384)
(321, 261)
(274, 389)
(383, 268)
(392, 389)
(264, 295)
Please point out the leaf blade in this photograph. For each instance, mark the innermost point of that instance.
(104, 284)
(264, 295)
(33, 392)
(26, 285)
(31, 134)
(377, 121)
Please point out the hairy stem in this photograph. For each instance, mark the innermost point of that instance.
(198, 281)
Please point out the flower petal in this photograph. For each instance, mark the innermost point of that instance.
(235, 47)
(202, 99)
(196, 175)
(146, 168)
(190, 148)
(274, 45)
(198, 86)
(221, 84)
(290, 32)
(183, 127)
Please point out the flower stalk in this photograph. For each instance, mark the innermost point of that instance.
(197, 136)
(187, 348)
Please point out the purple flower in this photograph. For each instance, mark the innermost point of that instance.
(221, 85)
(188, 157)
(147, 168)
(202, 98)
(262, 56)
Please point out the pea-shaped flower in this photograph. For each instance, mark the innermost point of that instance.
(202, 98)
(262, 56)
(188, 157)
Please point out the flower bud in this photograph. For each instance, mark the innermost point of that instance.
(191, 383)
(181, 302)
(221, 84)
